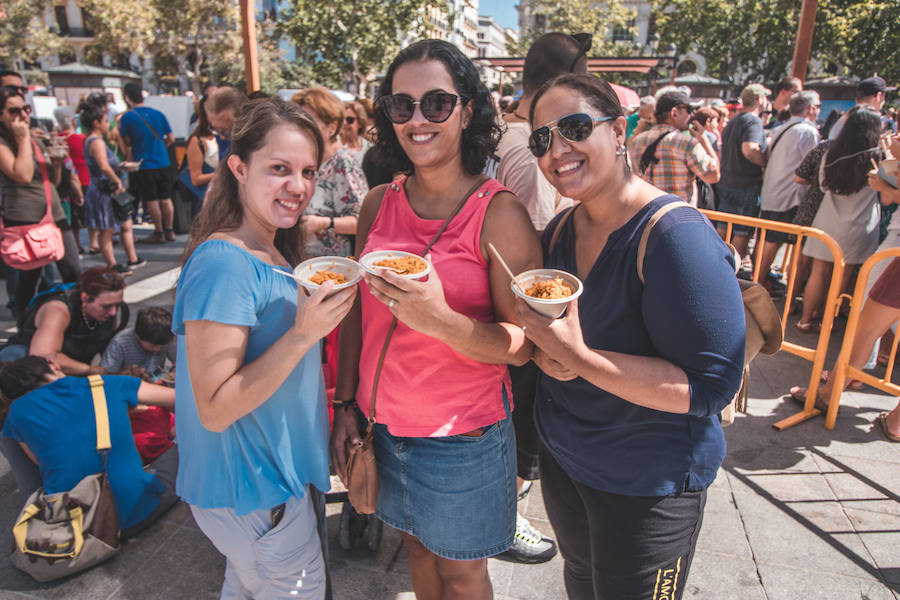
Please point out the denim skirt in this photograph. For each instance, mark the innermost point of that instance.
(456, 494)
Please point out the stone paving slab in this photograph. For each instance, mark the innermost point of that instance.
(797, 514)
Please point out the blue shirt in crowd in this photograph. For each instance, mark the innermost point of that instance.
(57, 423)
(144, 144)
(279, 448)
(689, 313)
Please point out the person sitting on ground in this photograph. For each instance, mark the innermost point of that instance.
(153, 426)
(71, 325)
(49, 438)
(147, 345)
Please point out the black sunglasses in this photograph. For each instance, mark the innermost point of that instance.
(575, 128)
(350, 120)
(19, 110)
(435, 106)
(18, 89)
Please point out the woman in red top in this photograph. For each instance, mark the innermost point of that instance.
(65, 117)
(443, 439)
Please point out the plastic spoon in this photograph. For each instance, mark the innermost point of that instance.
(505, 267)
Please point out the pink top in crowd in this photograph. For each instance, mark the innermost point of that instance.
(427, 389)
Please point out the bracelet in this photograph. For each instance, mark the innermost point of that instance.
(344, 403)
(330, 222)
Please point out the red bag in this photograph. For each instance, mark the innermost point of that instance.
(27, 247)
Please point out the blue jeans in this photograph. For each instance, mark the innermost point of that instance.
(739, 201)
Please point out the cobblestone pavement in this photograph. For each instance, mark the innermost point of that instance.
(803, 513)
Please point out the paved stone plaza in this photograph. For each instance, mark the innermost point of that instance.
(800, 514)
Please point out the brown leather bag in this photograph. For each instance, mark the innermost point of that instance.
(362, 471)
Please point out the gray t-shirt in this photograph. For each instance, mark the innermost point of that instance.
(124, 351)
(27, 202)
(737, 171)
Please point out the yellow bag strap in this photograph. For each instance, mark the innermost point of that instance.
(645, 235)
(101, 416)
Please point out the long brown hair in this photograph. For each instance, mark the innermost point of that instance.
(223, 209)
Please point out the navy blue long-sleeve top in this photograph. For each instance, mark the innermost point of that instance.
(689, 312)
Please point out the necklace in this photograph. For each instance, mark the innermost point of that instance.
(87, 323)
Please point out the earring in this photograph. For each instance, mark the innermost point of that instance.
(620, 151)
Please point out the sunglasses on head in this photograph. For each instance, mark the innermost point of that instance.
(435, 106)
(349, 120)
(575, 128)
(19, 110)
(18, 89)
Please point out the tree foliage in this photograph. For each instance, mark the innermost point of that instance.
(859, 37)
(577, 16)
(196, 39)
(24, 38)
(346, 41)
(753, 40)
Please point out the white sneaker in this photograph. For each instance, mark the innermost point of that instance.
(529, 545)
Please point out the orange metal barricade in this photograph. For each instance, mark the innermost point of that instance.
(832, 303)
(842, 370)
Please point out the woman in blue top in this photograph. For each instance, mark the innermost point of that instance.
(634, 375)
(250, 406)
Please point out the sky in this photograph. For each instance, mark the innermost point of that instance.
(503, 11)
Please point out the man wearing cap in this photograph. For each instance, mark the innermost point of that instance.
(869, 92)
(743, 146)
(781, 194)
(673, 152)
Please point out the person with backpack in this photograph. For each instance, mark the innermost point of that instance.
(72, 324)
(146, 136)
(672, 153)
(636, 372)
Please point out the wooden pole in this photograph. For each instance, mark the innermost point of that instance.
(803, 44)
(248, 29)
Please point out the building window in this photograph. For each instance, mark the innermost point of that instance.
(623, 33)
(62, 20)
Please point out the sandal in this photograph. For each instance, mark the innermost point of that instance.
(882, 420)
(853, 384)
(810, 327)
(798, 395)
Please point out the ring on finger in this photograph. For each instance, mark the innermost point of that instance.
(391, 303)
(523, 329)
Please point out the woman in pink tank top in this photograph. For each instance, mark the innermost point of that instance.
(443, 439)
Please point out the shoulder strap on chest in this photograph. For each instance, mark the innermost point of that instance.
(559, 227)
(645, 235)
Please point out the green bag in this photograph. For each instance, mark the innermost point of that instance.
(57, 535)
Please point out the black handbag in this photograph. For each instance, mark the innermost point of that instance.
(106, 186)
(124, 206)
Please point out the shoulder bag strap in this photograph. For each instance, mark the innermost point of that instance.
(101, 415)
(393, 325)
(149, 126)
(559, 228)
(648, 156)
(770, 149)
(39, 157)
(645, 235)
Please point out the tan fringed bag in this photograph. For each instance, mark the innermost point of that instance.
(362, 471)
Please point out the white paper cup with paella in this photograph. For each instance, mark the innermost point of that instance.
(313, 272)
(404, 264)
(547, 291)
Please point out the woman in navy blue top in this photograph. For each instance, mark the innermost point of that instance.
(634, 375)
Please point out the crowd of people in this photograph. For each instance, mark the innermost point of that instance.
(470, 395)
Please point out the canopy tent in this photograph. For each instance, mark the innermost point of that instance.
(627, 96)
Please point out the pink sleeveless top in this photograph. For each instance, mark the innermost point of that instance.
(426, 388)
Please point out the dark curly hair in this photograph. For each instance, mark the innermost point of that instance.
(21, 376)
(479, 138)
(849, 157)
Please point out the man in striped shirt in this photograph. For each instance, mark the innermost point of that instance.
(671, 154)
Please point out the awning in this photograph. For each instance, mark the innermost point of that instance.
(600, 64)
